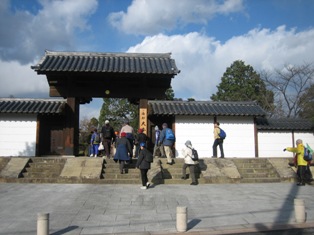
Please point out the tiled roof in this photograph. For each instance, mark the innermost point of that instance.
(205, 108)
(31, 106)
(150, 63)
(284, 124)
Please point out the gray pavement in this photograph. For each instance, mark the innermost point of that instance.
(111, 209)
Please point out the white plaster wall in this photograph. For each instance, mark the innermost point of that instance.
(307, 138)
(272, 143)
(17, 135)
(240, 136)
(198, 129)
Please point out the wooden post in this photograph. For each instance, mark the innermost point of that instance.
(255, 138)
(71, 129)
(143, 115)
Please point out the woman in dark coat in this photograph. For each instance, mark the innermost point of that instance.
(143, 163)
(123, 151)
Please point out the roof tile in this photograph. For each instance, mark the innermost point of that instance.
(150, 63)
(31, 106)
(205, 108)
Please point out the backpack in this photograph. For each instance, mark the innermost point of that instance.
(149, 157)
(107, 132)
(222, 134)
(194, 154)
(97, 138)
(307, 155)
(169, 134)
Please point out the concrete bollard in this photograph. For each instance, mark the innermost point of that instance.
(299, 210)
(42, 224)
(182, 218)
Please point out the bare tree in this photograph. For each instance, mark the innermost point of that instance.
(289, 85)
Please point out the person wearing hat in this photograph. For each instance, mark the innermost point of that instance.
(300, 162)
(129, 135)
(108, 137)
(167, 140)
(143, 163)
(123, 150)
(141, 137)
(188, 162)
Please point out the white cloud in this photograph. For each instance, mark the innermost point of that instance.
(149, 17)
(21, 81)
(203, 60)
(23, 35)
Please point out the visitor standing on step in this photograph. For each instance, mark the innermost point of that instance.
(301, 163)
(218, 141)
(108, 137)
(95, 140)
(167, 140)
(143, 163)
(158, 150)
(123, 151)
(188, 162)
(129, 135)
(141, 137)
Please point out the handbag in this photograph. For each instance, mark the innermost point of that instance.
(101, 146)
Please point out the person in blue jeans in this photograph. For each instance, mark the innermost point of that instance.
(94, 142)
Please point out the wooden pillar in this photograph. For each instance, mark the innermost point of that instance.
(255, 138)
(143, 122)
(71, 129)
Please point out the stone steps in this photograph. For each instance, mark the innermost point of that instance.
(256, 171)
(43, 169)
(103, 171)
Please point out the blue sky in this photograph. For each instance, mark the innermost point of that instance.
(204, 37)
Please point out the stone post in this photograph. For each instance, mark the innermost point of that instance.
(42, 224)
(181, 219)
(299, 210)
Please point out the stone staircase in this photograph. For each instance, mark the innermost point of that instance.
(106, 171)
(43, 170)
(111, 173)
(171, 174)
(257, 170)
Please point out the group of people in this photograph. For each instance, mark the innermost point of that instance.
(164, 141)
(123, 144)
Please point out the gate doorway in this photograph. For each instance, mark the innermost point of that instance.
(80, 76)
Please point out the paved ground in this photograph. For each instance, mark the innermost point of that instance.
(107, 209)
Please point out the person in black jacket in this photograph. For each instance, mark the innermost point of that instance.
(141, 137)
(143, 163)
(108, 137)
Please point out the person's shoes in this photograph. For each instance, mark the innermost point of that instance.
(184, 178)
(214, 156)
(92, 155)
(121, 172)
(169, 163)
(147, 185)
(222, 157)
(193, 183)
(144, 187)
(300, 184)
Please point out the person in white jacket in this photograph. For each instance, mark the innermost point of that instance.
(188, 162)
